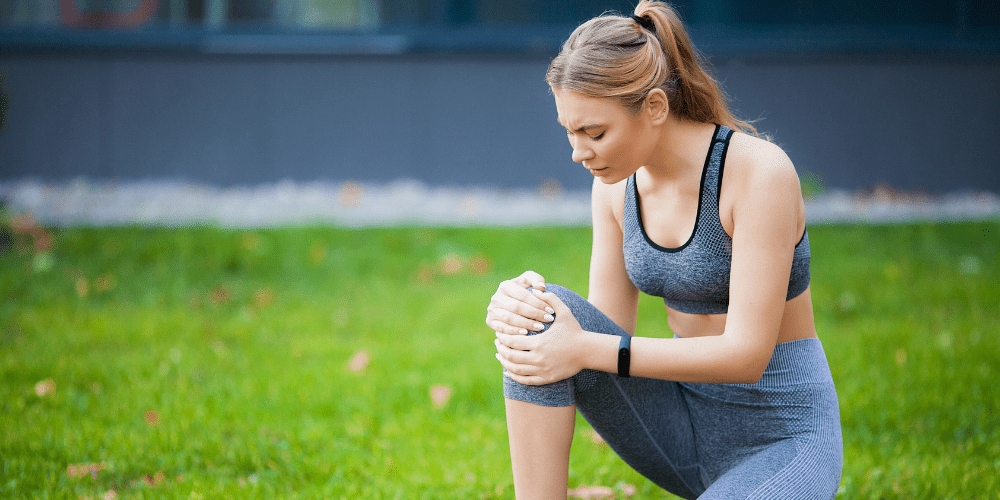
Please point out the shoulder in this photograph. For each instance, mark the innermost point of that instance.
(608, 200)
(760, 168)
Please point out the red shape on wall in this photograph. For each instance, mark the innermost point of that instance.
(107, 19)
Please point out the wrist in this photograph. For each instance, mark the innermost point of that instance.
(601, 352)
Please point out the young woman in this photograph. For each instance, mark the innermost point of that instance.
(740, 402)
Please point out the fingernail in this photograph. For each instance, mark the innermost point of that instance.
(523, 331)
(549, 317)
(539, 326)
(549, 310)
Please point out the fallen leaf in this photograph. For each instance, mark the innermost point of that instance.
(82, 287)
(81, 470)
(263, 297)
(23, 224)
(596, 438)
(110, 495)
(105, 282)
(151, 417)
(219, 295)
(627, 489)
(480, 264)
(440, 394)
(425, 274)
(43, 241)
(451, 264)
(359, 361)
(317, 252)
(45, 387)
(154, 480)
(591, 492)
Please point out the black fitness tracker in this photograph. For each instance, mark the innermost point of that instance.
(624, 356)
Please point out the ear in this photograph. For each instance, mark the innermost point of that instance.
(656, 105)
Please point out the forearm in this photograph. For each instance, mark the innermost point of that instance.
(713, 359)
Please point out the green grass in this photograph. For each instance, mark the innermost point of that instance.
(219, 359)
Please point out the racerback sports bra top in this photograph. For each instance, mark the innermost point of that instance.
(694, 277)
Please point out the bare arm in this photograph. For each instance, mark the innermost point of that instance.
(766, 228)
(611, 290)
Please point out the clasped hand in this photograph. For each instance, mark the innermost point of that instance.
(515, 310)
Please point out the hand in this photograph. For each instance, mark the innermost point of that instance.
(548, 357)
(516, 311)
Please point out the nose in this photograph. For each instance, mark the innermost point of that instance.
(581, 154)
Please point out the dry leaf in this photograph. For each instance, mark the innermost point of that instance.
(81, 470)
(359, 361)
(105, 282)
(440, 394)
(110, 495)
(23, 224)
(82, 287)
(263, 297)
(219, 295)
(154, 480)
(151, 417)
(596, 438)
(45, 387)
(451, 264)
(425, 274)
(317, 252)
(480, 264)
(591, 492)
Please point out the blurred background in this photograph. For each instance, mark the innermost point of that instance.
(897, 94)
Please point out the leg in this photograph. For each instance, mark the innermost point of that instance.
(540, 439)
(644, 420)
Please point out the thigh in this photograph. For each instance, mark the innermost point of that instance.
(804, 468)
(645, 421)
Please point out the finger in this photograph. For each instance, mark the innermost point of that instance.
(519, 294)
(513, 355)
(517, 342)
(553, 301)
(521, 379)
(516, 321)
(503, 306)
(536, 280)
(501, 327)
(515, 368)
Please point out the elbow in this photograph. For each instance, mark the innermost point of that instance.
(751, 370)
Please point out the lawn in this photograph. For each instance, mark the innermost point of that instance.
(330, 363)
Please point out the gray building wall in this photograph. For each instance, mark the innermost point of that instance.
(456, 119)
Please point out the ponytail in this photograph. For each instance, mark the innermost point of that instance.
(624, 58)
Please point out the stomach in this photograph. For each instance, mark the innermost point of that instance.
(796, 323)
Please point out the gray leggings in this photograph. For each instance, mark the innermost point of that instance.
(777, 438)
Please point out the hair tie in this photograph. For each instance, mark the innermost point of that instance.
(645, 22)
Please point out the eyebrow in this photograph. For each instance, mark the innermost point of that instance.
(586, 127)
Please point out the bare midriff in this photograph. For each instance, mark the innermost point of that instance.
(796, 322)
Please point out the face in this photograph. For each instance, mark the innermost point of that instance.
(607, 139)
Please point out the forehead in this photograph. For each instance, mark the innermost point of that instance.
(577, 110)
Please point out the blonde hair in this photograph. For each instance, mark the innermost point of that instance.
(616, 57)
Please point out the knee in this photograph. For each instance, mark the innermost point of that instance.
(569, 297)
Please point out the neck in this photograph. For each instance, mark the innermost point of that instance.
(680, 150)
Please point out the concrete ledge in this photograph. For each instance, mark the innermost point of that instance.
(408, 203)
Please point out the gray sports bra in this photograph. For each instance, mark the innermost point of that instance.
(694, 277)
